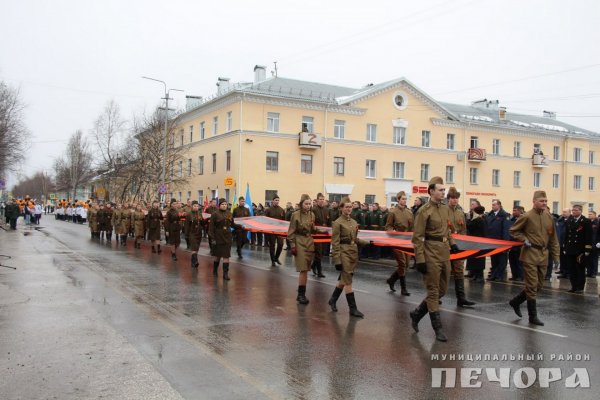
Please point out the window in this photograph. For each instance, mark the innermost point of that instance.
(399, 135)
(227, 192)
(371, 133)
(202, 130)
(269, 194)
(369, 198)
(189, 196)
(228, 121)
(555, 181)
(577, 154)
(591, 206)
(425, 139)
(191, 133)
(181, 136)
(181, 169)
(179, 196)
(338, 166)
(398, 170)
(495, 177)
(473, 176)
(371, 169)
(200, 196)
(537, 148)
(272, 122)
(189, 167)
(516, 203)
(214, 163)
(272, 161)
(577, 182)
(591, 183)
(449, 174)
(474, 143)
(339, 129)
(592, 157)
(537, 177)
(556, 153)
(201, 165)
(424, 172)
(496, 147)
(228, 160)
(517, 179)
(215, 126)
(555, 207)
(450, 138)
(517, 149)
(309, 123)
(306, 163)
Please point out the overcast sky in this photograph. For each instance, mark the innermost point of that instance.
(69, 58)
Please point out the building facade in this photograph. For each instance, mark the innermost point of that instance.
(290, 137)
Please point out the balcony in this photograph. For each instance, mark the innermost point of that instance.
(539, 161)
(476, 154)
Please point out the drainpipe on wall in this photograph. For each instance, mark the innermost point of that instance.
(239, 174)
(325, 148)
(563, 199)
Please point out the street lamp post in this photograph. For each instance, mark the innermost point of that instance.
(166, 99)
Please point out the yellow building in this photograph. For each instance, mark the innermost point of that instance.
(374, 141)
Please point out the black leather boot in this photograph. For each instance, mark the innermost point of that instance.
(226, 272)
(403, 290)
(153, 249)
(215, 268)
(461, 300)
(334, 298)
(313, 267)
(239, 253)
(320, 270)
(301, 298)
(532, 310)
(516, 302)
(436, 323)
(194, 260)
(352, 305)
(158, 250)
(417, 315)
(392, 280)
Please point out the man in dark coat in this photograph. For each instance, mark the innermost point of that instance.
(241, 237)
(276, 212)
(498, 224)
(578, 247)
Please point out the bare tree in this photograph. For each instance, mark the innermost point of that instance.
(37, 186)
(108, 136)
(13, 133)
(74, 168)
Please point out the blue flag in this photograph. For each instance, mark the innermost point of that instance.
(249, 205)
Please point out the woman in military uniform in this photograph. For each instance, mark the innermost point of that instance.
(173, 226)
(193, 230)
(344, 244)
(153, 220)
(302, 226)
(138, 219)
(219, 234)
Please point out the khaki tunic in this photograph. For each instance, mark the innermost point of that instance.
(431, 241)
(457, 225)
(138, 220)
(538, 228)
(125, 221)
(344, 246)
(400, 220)
(116, 220)
(172, 225)
(193, 229)
(153, 220)
(302, 225)
(93, 220)
(219, 231)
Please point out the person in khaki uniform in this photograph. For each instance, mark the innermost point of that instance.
(302, 226)
(173, 227)
(458, 225)
(537, 231)
(153, 220)
(193, 229)
(117, 220)
(344, 244)
(219, 234)
(321, 213)
(276, 212)
(432, 242)
(138, 221)
(400, 219)
(125, 223)
(93, 221)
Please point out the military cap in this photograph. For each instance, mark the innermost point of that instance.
(222, 200)
(539, 194)
(194, 202)
(436, 180)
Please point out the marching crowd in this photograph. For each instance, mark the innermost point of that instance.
(568, 242)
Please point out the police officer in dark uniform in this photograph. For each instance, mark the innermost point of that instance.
(276, 212)
(241, 237)
(578, 246)
(321, 219)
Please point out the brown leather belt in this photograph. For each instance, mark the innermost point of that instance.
(436, 238)
(538, 247)
(346, 241)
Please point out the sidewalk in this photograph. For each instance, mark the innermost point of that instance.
(53, 344)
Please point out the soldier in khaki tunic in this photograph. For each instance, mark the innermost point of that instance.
(138, 220)
(173, 226)
(193, 230)
(93, 221)
(344, 244)
(433, 244)
(125, 223)
(302, 226)
(116, 220)
(241, 236)
(458, 225)
(276, 212)
(536, 230)
(321, 213)
(400, 219)
(153, 220)
(219, 234)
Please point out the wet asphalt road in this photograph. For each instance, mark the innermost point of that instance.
(248, 339)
